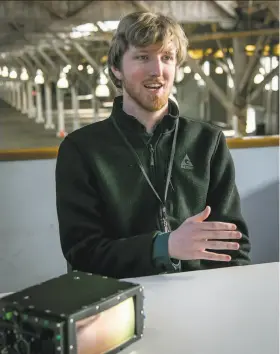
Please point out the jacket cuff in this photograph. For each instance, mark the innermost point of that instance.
(161, 256)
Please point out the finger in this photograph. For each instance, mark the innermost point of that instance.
(211, 256)
(217, 225)
(218, 235)
(201, 216)
(219, 245)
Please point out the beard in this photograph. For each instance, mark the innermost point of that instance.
(148, 101)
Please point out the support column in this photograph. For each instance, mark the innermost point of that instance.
(60, 113)
(24, 109)
(39, 106)
(30, 103)
(18, 96)
(49, 113)
(75, 107)
(9, 91)
(240, 63)
(14, 95)
(268, 101)
(95, 106)
(204, 103)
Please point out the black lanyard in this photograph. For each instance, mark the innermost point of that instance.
(163, 214)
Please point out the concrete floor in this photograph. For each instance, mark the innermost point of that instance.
(17, 131)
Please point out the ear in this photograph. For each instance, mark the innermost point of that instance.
(117, 73)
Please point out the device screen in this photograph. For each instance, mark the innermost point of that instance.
(107, 330)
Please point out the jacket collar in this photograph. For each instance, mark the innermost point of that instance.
(130, 123)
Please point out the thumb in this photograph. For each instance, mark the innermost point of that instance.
(201, 216)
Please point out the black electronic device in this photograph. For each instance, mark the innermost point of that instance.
(76, 313)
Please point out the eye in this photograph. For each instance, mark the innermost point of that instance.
(142, 57)
(168, 57)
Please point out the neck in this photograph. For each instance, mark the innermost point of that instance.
(146, 118)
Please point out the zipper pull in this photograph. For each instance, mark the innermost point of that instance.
(152, 161)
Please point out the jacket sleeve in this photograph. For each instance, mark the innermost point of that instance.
(84, 243)
(224, 200)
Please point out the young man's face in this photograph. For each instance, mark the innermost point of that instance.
(147, 75)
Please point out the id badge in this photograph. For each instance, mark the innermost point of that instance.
(164, 222)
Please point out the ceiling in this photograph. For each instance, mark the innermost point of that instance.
(26, 26)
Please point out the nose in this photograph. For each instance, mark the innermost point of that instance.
(156, 67)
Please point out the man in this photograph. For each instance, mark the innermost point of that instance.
(147, 191)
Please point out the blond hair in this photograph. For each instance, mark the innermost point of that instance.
(141, 29)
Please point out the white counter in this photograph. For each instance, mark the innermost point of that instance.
(222, 311)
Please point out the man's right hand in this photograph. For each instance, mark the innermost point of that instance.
(190, 240)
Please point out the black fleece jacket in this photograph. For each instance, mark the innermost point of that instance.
(108, 214)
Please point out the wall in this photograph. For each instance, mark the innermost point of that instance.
(257, 178)
(30, 250)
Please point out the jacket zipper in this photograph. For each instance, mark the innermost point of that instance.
(152, 170)
(152, 158)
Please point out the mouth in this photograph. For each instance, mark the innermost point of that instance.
(154, 87)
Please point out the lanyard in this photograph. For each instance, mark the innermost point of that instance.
(163, 214)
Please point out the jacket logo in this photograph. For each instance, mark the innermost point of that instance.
(186, 163)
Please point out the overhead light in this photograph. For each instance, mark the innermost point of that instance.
(39, 78)
(274, 62)
(201, 82)
(102, 91)
(5, 72)
(187, 70)
(103, 79)
(258, 79)
(276, 50)
(63, 83)
(179, 75)
(104, 59)
(84, 30)
(206, 68)
(86, 27)
(265, 61)
(197, 77)
(196, 53)
(230, 64)
(66, 69)
(24, 75)
(208, 51)
(230, 82)
(219, 70)
(80, 67)
(262, 71)
(250, 47)
(13, 74)
(76, 34)
(90, 70)
(108, 25)
(219, 54)
(275, 83)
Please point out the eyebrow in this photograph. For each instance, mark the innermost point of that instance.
(172, 51)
